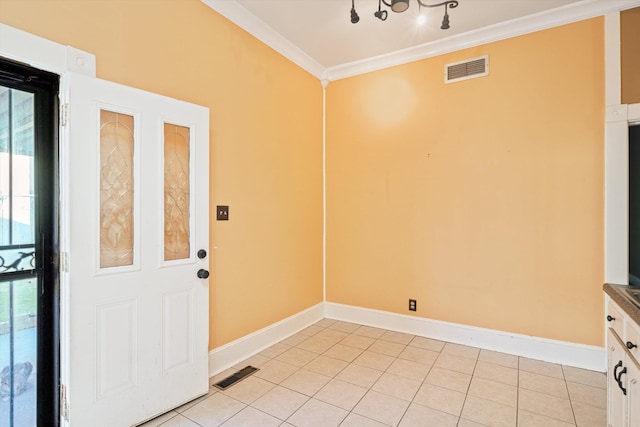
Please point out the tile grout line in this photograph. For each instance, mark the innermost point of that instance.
(349, 412)
(414, 394)
(466, 395)
(518, 393)
(395, 358)
(331, 378)
(573, 412)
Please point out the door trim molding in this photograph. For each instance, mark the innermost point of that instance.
(47, 55)
(44, 54)
(616, 182)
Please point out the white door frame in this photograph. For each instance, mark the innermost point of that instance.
(616, 230)
(56, 58)
(618, 117)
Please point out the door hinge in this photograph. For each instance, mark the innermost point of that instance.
(64, 114)
(64, 262)
(64, 405)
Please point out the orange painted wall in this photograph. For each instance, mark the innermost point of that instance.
(482, 199)
(630, 55)
(266, 139)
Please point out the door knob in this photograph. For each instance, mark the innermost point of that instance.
(202, 254)
(203, 274)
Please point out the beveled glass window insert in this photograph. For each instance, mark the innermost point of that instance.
(116, 189)
(176, 192)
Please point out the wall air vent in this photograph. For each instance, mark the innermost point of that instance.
(468, 69)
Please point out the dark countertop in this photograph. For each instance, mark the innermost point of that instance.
(619, 295)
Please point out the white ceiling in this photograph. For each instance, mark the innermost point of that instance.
(319, 35)
(323, 28)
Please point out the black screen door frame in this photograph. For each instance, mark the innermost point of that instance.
(45, 88)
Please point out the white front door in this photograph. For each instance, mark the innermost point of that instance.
(139, 209)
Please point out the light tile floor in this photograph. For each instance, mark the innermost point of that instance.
(335, 373)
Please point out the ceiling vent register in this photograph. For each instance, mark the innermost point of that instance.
(468, 69)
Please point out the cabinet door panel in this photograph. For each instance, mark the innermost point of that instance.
(633, 392)
(617, 400)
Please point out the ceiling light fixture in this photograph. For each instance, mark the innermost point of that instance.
(400, 6)
(380, 14)
(354, 15)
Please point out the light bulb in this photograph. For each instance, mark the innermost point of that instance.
(421, 19)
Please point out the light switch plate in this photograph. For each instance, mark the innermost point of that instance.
(222, 213)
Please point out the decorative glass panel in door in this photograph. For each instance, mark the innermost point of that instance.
(116, 189)
(176, 192)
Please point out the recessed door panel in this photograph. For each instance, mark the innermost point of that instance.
(117, 351)
(177, 330)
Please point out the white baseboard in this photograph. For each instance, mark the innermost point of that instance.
(231, 354)
(562, 352)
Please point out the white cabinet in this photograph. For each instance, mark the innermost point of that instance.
(617, 402)
(623, 387)
(633, 393)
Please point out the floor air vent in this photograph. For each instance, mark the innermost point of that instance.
(238, 376)
(468, 69)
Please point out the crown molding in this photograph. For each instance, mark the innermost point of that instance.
(240, 16)
(540, 21)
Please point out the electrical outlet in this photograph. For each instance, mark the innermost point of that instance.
(222, 213)
(413, 305)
